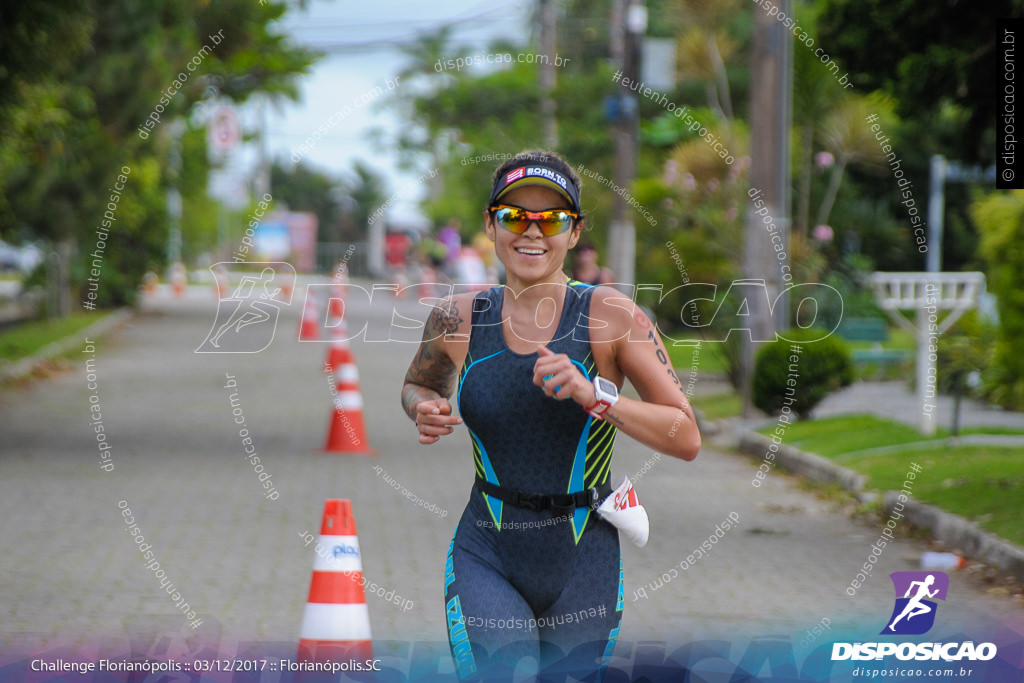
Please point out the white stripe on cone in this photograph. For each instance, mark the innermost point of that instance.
(345, 559)
(335, 622)
(347, 372)
(350, 400)
(309, 308)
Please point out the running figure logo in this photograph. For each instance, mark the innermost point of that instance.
(914, 613)
(247, 318)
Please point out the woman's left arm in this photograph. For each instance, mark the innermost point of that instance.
(662, 419)
(626, 343)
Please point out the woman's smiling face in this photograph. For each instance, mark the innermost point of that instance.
(531, 256)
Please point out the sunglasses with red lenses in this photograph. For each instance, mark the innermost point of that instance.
(517, 220)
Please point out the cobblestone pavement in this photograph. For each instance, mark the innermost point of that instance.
(70, 572)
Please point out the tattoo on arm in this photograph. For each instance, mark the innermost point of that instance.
(613, 419)
(432, 374)
(445, 321)
(660, 352)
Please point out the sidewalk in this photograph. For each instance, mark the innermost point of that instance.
(895, 401)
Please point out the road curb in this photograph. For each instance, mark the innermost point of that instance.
(814, 467)
(97, 329)
(961, 534)
(951, 529)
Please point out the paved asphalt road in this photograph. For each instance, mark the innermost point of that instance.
(70, 574)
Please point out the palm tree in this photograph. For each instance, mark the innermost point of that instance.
(425, 54)
(705, 46)
(815, 94)
(848, 136)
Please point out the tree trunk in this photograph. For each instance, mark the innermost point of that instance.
(803, 211)
(833, 189)
(723, 98)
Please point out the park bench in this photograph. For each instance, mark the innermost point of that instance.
(873, 330)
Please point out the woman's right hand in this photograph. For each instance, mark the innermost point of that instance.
(434, 419)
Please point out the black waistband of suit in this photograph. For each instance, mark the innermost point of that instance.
(558, 502)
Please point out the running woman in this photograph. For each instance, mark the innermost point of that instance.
(535, 367)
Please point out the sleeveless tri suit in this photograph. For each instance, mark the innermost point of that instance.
(526, 572)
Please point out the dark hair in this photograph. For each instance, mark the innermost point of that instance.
(540, 155)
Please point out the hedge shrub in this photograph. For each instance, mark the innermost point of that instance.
(823, 366)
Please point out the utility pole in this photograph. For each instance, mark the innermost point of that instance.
(770, 117)
(174, 205)
(548, 77)
(629, 22)
(936, 203)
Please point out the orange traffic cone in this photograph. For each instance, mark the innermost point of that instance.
(287, 285)
(347, 432)
(339, 352)
(340, 280)
(179, 279)
(309, 328)
(336, 625)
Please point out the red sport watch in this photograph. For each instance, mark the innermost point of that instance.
(606, 394)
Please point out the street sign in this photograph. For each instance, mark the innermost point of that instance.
(224, 130)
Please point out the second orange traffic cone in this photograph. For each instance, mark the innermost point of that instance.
(339, 352)
(309, 328)
(347, 431)
(336, 625)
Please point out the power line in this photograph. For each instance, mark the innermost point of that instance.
(411, 37)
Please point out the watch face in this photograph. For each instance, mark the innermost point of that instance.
(607, 386)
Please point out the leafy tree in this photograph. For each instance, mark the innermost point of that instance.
(815, 94)
(82, 77)
(1001, 219)
(304, 189)
(364, 192)
(926, 56)
(850, 139)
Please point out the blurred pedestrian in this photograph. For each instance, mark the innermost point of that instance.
(450, 237)
(585, 266)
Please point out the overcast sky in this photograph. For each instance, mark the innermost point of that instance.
(365, 36)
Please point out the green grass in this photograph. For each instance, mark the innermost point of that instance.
(1007, 431)
(24, 340)
(834, 437)
(719, 406)
(837, 435)
(709, 361)
(981, 483)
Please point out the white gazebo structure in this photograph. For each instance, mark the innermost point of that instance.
(928, 294)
